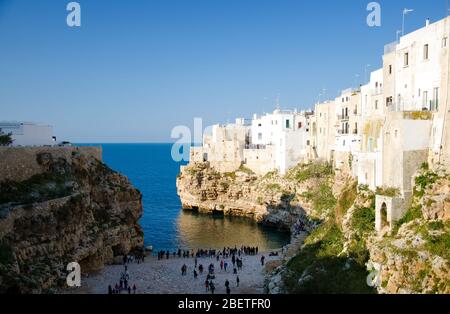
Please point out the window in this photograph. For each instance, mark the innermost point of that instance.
(260, 136)
(390, 69)
(259, 124)
(436, 98)
(299, 125)
(406, 59)
(376, 104)
(425, 52)
(444, 42)
(288, 125)
(389, 101)
(308, 143)
(425, 99)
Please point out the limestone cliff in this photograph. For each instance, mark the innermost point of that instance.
(271, 199)
(339, 255)
(61, 205)
(415, 258)
(332, 220)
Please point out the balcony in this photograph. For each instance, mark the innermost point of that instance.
(377, 91)
(343, 117)
(255, 146)
(342, 132)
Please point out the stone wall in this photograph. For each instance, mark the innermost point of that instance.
(20, 163)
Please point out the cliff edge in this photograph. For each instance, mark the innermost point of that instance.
(61, 205)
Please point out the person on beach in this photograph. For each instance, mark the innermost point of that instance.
(110, 291)
(183, 270)
(228, 290)
(262, 260)
(225, 265)
(212, 287)
(207, 284)
(129, 290)
(237, 281)
(195, 262)
(200, 268)
(227, 283)
(134, 289)
(234, 271)
(195, 274)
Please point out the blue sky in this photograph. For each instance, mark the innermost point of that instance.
(135, 69)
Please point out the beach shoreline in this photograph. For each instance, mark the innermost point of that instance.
(164, 276)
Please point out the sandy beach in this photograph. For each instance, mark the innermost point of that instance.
(164, 276)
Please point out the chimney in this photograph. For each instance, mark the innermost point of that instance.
(427, 22)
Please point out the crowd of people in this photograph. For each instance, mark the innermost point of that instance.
(229, 260)
(124, 283)
(226, 252)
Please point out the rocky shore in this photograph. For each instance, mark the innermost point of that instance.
(334, 244)
(62, 205)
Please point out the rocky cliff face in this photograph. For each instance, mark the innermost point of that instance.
(415, 258)
(271, 200)
(332, 220)
(73, 208)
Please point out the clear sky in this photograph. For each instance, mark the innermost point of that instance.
(135, 69)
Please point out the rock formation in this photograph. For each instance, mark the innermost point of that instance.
(271, 200)
(70, 208)
(332, 221)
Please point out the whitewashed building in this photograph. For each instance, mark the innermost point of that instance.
(416, 82)
(279, 141)
(28, 134)
(373, 111)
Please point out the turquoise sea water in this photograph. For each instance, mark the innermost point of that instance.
(166, 226)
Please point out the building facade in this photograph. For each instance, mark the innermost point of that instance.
(28, 134)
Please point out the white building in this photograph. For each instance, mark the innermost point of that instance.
(348, 138)
(28, 134)
(279, 141)
(223, 147)
(373, 111)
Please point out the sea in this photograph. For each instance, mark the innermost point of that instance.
(166, 225)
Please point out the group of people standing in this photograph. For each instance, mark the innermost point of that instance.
(222, 256)
(124, 282)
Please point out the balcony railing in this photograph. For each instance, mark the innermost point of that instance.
(377, 91)
(412, 106)
(255, 146)
(342, 117)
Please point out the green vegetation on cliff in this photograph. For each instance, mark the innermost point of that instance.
(38, 188)
(324, 264)
(321, 268)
